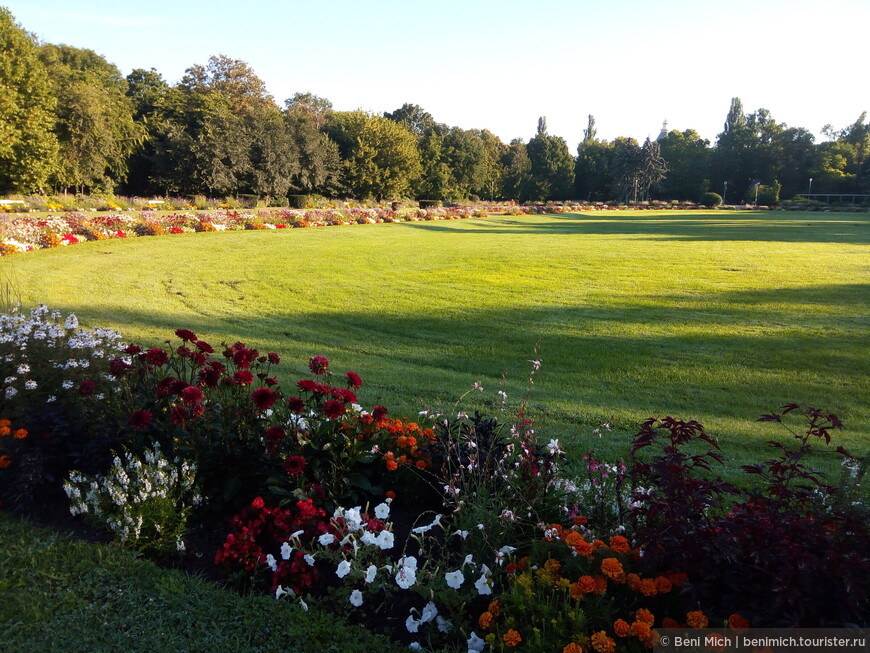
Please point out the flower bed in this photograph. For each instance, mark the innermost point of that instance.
(450, 530)
(24, 233)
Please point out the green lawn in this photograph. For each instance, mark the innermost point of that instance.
(717, 316)
(61, 595)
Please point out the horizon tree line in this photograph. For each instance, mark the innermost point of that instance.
(70, 122)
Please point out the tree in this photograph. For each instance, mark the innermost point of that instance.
(687, 156)
(626, 169)
(28, 146)
(552, 165)
(592, 168)
(93, 120)
(517, 183)
(414, 118)
(381, 159)
(653, 168)
(495, 150)
(319, 169)
(464, 154)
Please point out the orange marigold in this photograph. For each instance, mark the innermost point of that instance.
(4, 431)
(640, 630)
(20, 434)
(512, 638)
(619, 544)
(511, 568)
(580, 520)
(5, 461)
(663, 585)
(736, 622)
(645, 616)
(612, 568)
(552, 565)
(647, 587)
(587, 584)
(600, 584)
(597, 544)
(621, 627)
(5, 422)
(633, 581)
(572, 648)
(697, 619)
(678, 578)
(494, 608)
(668, 622)
(390, 494)
(602, 643)
(485, 620)
(576, 542)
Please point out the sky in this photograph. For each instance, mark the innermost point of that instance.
(500, 65)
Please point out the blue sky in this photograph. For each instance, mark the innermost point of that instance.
(500, 65)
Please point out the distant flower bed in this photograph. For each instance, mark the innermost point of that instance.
(446, 530)
(24, 233)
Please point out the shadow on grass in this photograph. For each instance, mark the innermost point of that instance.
(726, 354)
(754, 226)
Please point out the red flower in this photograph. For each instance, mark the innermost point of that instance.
(165, 386)
(270, 381)
(178, 414)
(264, 398)
(379, 413)
(311, 386)
(118, 368)
(204, 347)
(191, 395)
(294, 465)
(318, 364)
(87, 387)
(183, 351)
(244, 357)
(186, 335)
(197, 410)
(343, 394)
(296, 405)
(353, 380)
(274, 358)
(176, 230)
(258, 503)
(132, 350)
(243, 377)
(139, 420)
(156, 357)
(274, 437)
(334, 408)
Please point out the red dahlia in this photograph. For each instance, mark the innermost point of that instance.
(274, 358)
(296, 405)
(156, 357)
(353, 380)
(274, 436)
(204, 347)
(191, 395)
(318, 364)
(139, 419)
(186, 335)
(87, 387)
(379, 413)
(294, 465)
(243, 377)
(334, 408)
(264, 398)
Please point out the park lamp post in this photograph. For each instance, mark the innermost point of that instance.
(810, 191)
(757, 184)
(724, 191)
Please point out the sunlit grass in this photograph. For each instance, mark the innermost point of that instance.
(717, 316)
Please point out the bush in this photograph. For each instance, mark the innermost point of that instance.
(711, 200)
(430, 204)
(297, 201)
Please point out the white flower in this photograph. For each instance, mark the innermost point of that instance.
(430, 611)
(444, 626)
(462, 534)
(286, 549)
(309, 559)
(343, 569)
(66, 385)
(11, 392)
(455, 578)
(371, 572)
(482, 585)
(356, 598)
(382, 511)
(385, 540)
(411, 624)
(369, 538)
(24, 368)
(50, 399)
(326, 539)
(273, 564)
(475, 644)
(553, 448)
(30, 385)
(406, 576)
(71, 322)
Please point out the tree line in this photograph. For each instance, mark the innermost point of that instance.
(70, 122)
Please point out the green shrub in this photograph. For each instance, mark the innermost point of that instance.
(430, 204)
(711, 200)
(297, 201)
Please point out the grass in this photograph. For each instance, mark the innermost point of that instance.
(60, 594)
(718, 316)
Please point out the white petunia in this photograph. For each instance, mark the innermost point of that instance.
(406, 576)
(309, 559)
(326, 539)
(286, 550)
(475, 644)
(343, 569)
(273, 564)
(430, 611)
(455, 578)
(382, 511)
(482, 585)
(385, 540)
(371, 572)
(356, 598)
(444, 625)
(412, 624)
